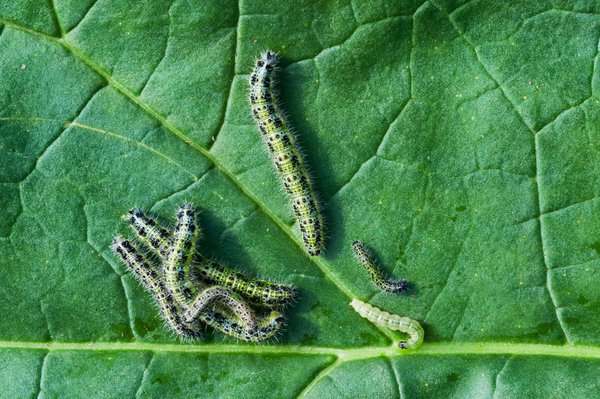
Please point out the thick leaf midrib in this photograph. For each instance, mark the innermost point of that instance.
(431, 349)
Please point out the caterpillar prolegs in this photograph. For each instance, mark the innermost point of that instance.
(285, 153)
(258, 292)
(391, 321)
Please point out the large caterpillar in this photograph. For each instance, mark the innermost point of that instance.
(285, 153)
(377, 275)
(393, 322)
(257, 291)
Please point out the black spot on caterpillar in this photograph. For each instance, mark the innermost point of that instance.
(285, 153)
(379, 278)
(393, 322)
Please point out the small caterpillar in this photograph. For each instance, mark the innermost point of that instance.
(379, 278)
(393, 322)
(257, 291)
(240, 309)
(285, 153)
(150, 278)
(177, 263)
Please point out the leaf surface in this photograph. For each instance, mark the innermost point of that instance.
(457, 139)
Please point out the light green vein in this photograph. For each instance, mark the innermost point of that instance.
(428, 349)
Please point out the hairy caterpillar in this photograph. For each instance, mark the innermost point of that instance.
(208, 296)
(393, 322)
(177, 264)
(379, 278)
(285, 153)
(257, 291)
(150, 278)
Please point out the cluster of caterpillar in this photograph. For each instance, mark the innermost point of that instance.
(192, 290)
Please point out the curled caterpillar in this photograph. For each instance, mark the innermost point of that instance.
(151, 279)
(285, 153)
(379, 278)
(257, 291)
(210, 295)
(221, 320)
(393, 322)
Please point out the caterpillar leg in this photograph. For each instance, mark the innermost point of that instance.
(151, 279)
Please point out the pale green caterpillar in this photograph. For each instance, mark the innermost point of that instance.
(393, 322)
(257, 291)
(285, 153)
(150, 279)
(379, 278)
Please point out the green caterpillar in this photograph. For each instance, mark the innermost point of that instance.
(379, 278)
(267, 327)
(393, 322)
(177, 263)
(257, 291)
(150, 278)
(285, 153)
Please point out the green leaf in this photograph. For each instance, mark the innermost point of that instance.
(458, 139)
